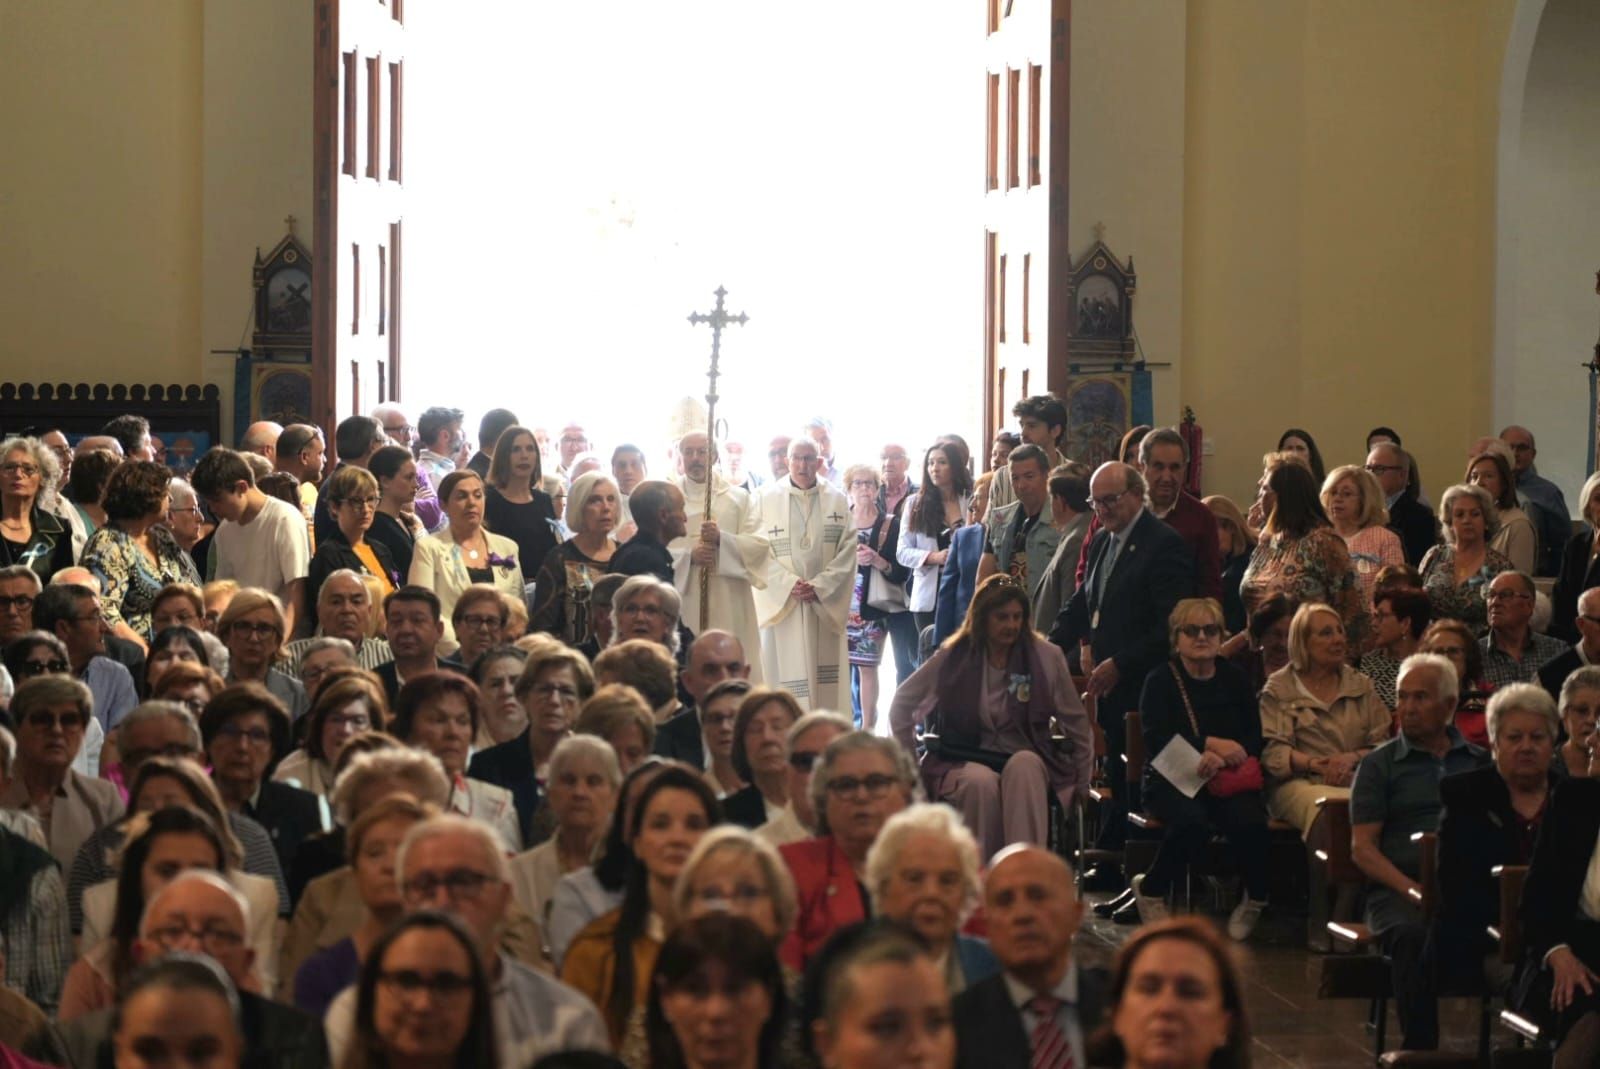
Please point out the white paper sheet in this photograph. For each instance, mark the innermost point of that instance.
(1179, 762)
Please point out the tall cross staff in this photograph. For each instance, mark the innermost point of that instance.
(718, 317)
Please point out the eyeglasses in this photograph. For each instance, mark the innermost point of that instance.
(43, 668)
(252, 736)
(353, 722)
(1106, 501)
(1199, 630)
(361, 502)
(634, 608)
(876, 785)
(399, 428)
(409, 982)
(721, 719)
(244, 627)
(45, 721)
(14, 468)
(804, 762)
(19, 604)
(480, 623)
(1384, 469)
(1504, 595)
(459, 884)
(213, 938)
(188, 508)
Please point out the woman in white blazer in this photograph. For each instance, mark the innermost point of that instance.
(464, 552)
(931, 514)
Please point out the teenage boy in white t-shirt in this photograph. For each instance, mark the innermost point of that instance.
(260, 540)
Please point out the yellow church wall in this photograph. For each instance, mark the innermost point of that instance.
(150, 147)
(100, 190)
(1339, 222)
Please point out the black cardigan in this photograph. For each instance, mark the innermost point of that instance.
(1224, 705)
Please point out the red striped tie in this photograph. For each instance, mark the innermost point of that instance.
(1050, 1047)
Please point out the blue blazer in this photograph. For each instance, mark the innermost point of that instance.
(957, 580)
(976, 959)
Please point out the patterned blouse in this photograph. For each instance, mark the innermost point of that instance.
(1315, 568)
(1460, 601)
(129, 580)
(1371, 550)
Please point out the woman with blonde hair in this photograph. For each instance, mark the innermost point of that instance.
(1580, 565)
(1319, 717)
(254, 627)
(1354, 503)
(1457, 573)
(568, 572)
(619, 715)
(1236, 542)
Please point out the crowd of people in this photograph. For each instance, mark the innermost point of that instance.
(421, 755)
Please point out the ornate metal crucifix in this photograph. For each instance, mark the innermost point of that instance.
(718, 318)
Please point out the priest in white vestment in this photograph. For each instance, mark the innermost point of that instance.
(806, 600)
(729, 542)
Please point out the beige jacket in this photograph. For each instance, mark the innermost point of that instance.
(1292, 719)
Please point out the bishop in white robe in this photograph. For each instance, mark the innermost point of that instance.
(806, 599)
(729, 541)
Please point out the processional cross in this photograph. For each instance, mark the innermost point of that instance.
(718, 318)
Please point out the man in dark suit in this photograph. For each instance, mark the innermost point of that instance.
(1408, 517)
(713, 657)
(1041, 1007)
(1585, 652)
(1559, 925)
(1139, 569)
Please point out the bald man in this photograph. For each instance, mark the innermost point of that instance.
(713, 657)
(1550, 513)
(98, 441)
(261, 438)
(1042, 1004)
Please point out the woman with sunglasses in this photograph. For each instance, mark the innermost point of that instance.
(1208, 703)
(51, 712)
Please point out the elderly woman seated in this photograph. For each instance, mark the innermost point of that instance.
(644, 607)
(349, 704)
(438, 712)
(1453, 640)
(923, 872)
(861, 781)
(1207, 703)
(760, 730)
(1580, 707)
(1319, 717)
(994, 696)
(254, 628)
(1457, 573)
(581, 794)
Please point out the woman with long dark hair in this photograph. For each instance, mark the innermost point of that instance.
(514, 505)
(423, 1000)
(159, 847)
(992, 693)
(1300, 554)
(716, 997)
(931, 515)
(612, 958)
(1299, 444)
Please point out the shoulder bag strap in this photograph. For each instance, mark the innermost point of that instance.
(1183, 691)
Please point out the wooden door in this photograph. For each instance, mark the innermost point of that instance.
(1027, 82)
(357, 241)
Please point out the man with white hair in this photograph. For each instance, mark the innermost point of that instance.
(1394, 796)
(457, 865)
(344, 610)
(200, 913)
(805, 601)
(727, 542)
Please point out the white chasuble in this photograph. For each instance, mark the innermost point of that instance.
(803, 642)
(742, 561)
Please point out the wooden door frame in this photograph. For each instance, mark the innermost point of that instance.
(325, 185)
